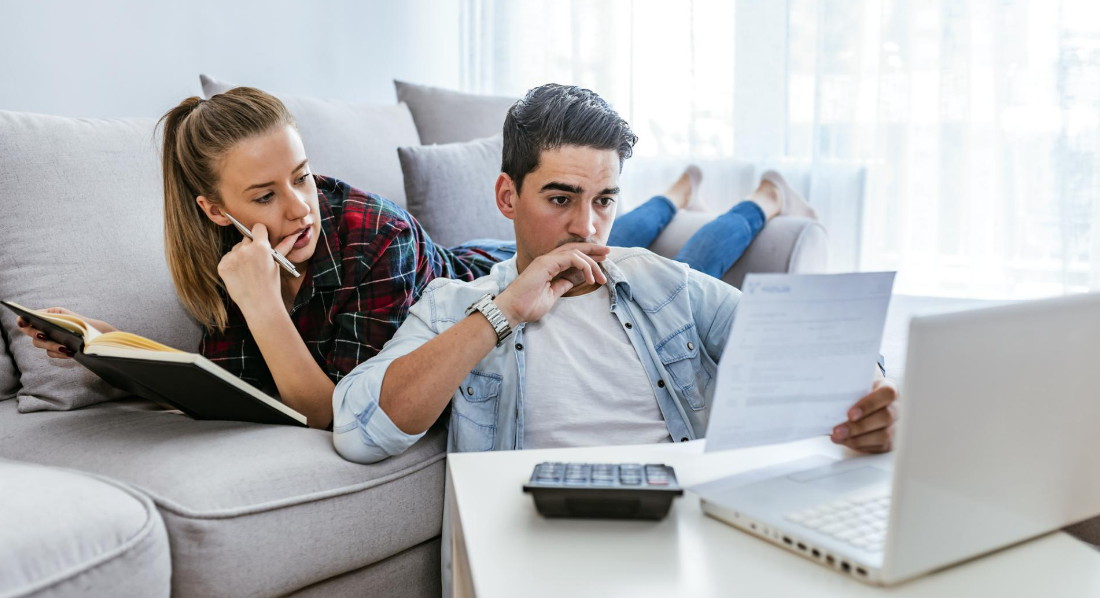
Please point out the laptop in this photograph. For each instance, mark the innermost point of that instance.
(997, 443)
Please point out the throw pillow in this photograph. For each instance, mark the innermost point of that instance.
(355, 143)
(9, 376)
(450, 190)
(446, 116)
(82, 228)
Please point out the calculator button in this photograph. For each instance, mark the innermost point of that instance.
(604, 477)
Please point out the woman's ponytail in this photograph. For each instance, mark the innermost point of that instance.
(197, 134)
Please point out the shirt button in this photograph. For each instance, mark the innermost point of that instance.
(519, 346)
(470, 390)
(691, 346)
(660, 384)
(628, 325)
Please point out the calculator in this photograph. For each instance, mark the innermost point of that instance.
(603, 490)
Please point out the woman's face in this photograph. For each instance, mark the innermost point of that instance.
(266, 179)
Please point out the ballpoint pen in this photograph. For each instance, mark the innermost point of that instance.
(285, 263)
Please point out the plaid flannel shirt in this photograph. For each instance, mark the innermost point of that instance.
(371, 264)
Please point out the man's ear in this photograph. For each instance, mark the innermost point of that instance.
(212, 211)
(507, 195)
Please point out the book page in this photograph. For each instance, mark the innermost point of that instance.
(126, 340)
(69, 322)
(801, 352)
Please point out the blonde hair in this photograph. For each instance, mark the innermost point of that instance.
(197, 135)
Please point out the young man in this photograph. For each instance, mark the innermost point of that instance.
(571, 342)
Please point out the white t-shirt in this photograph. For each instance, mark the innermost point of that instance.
(585, 385)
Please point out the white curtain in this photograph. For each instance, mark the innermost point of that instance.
(957, 141)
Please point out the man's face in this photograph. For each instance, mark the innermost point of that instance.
(571, 196)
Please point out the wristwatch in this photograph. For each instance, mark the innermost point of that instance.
(496, 318)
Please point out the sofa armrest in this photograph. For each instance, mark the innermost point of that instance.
(787, 244)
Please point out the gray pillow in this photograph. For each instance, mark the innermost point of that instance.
(356, 143)
(9, 376)
(446, 116)
(450, 190)
(81, 202)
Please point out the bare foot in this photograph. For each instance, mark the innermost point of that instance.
(769, 198)
(791, 202)
(685, 191)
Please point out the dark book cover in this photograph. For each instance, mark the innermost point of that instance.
(187, 381)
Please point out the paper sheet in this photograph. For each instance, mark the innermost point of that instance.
(802, 350)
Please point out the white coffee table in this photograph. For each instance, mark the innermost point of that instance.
(503, 547)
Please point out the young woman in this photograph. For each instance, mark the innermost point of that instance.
(363, 261)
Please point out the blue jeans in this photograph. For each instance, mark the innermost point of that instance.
(711, 250)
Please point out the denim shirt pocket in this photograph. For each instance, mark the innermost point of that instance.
(679, 353)
(474, 411)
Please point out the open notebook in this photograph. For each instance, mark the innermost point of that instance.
(187, 381)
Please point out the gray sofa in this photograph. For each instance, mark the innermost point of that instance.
(107, 495)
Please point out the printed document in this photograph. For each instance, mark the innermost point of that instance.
(801, 352)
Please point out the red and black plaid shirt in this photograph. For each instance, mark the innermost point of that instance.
(372, 262)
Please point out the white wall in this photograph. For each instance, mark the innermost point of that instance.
(121, 58)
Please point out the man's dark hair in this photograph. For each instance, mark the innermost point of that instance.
(553, 115)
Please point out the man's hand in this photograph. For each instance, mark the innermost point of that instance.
(550, 276)
(870, 425)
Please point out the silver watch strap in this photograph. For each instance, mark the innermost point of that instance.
(496, 318)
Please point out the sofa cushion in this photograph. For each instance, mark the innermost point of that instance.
(410, 574)
(82, 205)
(9, 376)
(356, 143)
(450, 190)
(67, 533)
(250, 509)
(446, 116)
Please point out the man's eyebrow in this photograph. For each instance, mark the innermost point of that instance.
(272, 183)
(553, 186)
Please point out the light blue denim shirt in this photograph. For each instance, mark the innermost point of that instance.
(677, 319)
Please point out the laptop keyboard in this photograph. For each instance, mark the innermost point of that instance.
(860, 522)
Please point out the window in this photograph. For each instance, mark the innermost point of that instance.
(973, 127)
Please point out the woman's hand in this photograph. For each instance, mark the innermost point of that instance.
(56, 350)
(251, 276)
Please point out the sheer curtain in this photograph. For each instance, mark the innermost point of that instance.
(955, 141)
